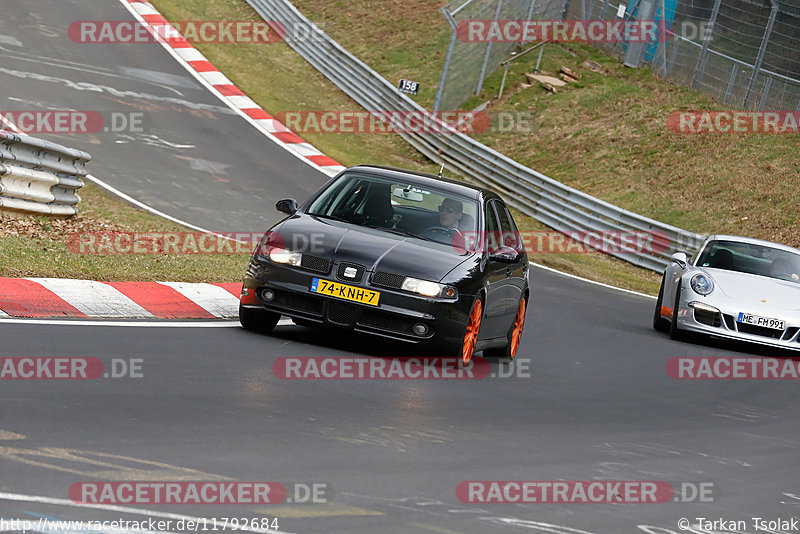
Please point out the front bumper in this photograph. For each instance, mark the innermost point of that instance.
(722, 323)
(395, 316)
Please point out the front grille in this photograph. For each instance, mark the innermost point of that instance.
(790, 333)
(729, 321)
(384, 321)
(390, 280)
(294, 301)
(359, 272)
(707, 318)
(760, 331)
(314, 263)
(340, 313)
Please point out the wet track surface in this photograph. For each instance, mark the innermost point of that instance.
(588, 397)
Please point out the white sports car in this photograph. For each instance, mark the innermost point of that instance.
(734, 287)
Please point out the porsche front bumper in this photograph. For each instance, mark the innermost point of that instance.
(712, 318)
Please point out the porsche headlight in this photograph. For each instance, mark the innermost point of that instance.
(702, 284)
(281, 255)
(428, 289)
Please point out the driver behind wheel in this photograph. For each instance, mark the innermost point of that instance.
(450, 213)
(781, 269)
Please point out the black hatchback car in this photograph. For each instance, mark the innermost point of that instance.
(399, 254)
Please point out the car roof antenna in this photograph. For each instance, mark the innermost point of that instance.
(441, 170)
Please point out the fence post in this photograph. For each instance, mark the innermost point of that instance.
(488, 51)
(531, 10)
(673, 55)
(663, 39)
(765, 93)
(634, 54)
(761, 51)
(731, 83)
(450, 48)
(701, 62)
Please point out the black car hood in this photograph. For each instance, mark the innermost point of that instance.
(374, 249)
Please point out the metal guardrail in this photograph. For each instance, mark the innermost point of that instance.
(38, 176)
(558, 206)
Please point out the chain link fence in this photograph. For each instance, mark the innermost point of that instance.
(745, 53)
(468, 63)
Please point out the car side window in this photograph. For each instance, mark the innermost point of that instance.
(509, 234)
(492, 227)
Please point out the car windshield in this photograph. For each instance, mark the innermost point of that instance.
(752, 259)
(402, 208)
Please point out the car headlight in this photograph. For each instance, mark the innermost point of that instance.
(702, 284)
(281, 255)
(428, 289)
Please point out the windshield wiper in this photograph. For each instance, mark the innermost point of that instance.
(399, 231)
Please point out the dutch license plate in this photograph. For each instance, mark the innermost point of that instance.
(766, 322)
(344, 291)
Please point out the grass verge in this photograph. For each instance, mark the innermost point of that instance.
(32, 246)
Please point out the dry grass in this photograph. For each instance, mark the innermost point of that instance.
(33, 246)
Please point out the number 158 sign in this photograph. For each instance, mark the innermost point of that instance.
(407, 86)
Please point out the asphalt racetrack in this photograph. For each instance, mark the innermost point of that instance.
(588, 397)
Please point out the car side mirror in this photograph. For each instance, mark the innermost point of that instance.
(680, 259)
(505, 255)
(287, 206)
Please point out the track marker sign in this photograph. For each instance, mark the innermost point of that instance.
(409, 87)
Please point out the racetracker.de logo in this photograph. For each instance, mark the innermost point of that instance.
(386, 122)
(544, 242)
(734, 122)
(73, 122)
(567, 492)
(50, 368)
(561, 31)
(366, 368)
(733, 368)
(111, 243)
(186, 492)
(191, 31)
(68, 368)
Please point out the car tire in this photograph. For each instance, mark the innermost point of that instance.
(674, 331)
(514, 335)
(659, 323)
(472, 329)
(258, 320)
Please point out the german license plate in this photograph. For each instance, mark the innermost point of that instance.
(766, 322)
(344, 291)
